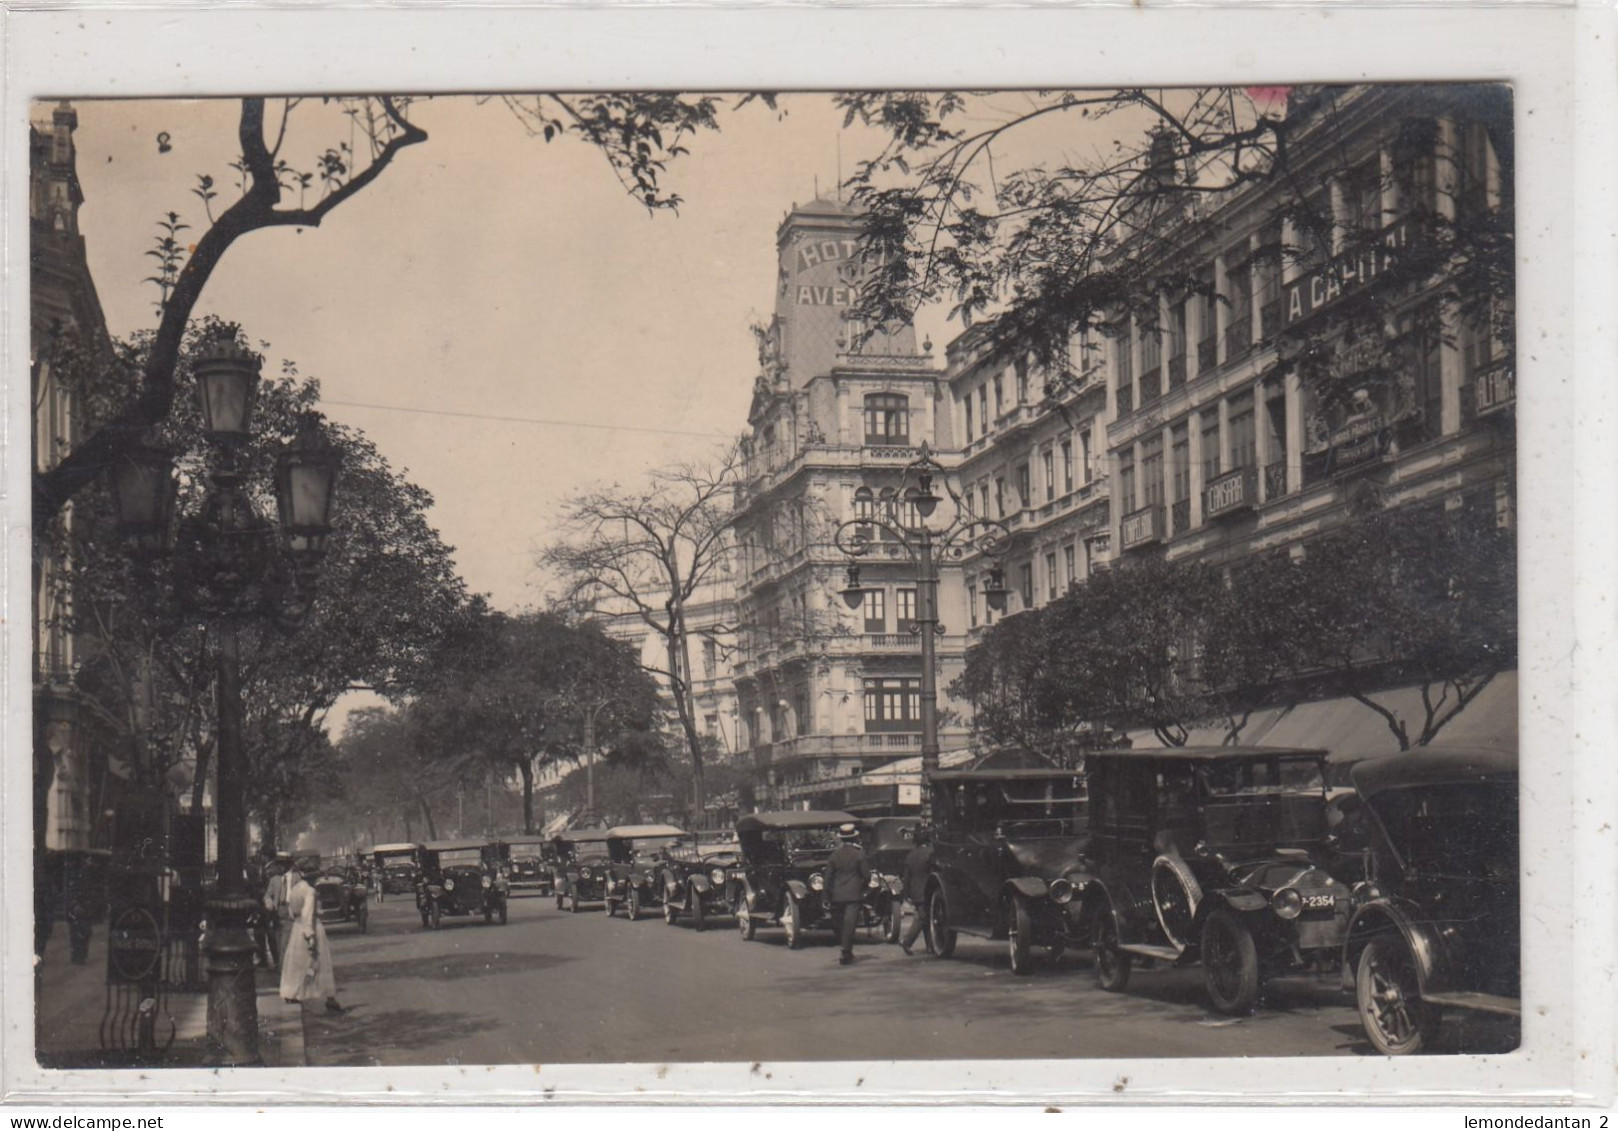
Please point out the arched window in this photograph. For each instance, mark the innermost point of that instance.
(887, 418)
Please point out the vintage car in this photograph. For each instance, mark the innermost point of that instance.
(1006, 847)
(341, 895)
(635, 856)
(887, 841)
(581, 867)
(1212, 854)
(532, 863)
(698, 877)
(781, 880)
(1437, 926)
(459, 877)
(393, 867)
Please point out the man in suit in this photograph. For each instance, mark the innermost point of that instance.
(917, 867)
(847, 874)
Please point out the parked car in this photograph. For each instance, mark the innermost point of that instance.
(532, 863)
(1212, 855)
(1007, 847)
(459, 877)
(341, 895)
(635, 855)
(394, 869)
(887, 841)
(700, 878)
(581, 868)
(1438, 927)
(781, 880)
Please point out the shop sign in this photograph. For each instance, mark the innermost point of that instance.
(1230, 492)
(1496, 389)
(1358, 440)
(1141, 528)
(1345, 275)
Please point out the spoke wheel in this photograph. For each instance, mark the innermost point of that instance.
(792, 921)
(944, 938)
(1175, 897)
(1112, 965)
(1229, 963)
(1020, 938)
(634, 904)
(1395, 1018)
(891, 924)
(745, 923)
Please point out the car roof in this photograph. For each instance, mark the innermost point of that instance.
(575, 836)
(1201, 753)
(629, 832)
(394, 848)
(1005, 775)
(535, 839)
(794, 819)
(1433, 765)
(447, 845)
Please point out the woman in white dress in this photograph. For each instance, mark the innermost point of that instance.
(306, 970)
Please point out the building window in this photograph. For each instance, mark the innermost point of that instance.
(892, 704)
(983, 497)
(1151, 360)
(904, 609)
(1084, 450)
(1177, 331)
(968, 404)
(1275, 422)
(1472, 168)
(1067, 467)
(1126, 483)
(1022, 380)
(972, 603)
(1479, 350)
(1025, 490)
(1210, 446)
(1243, 438)
(876, 618)
(887, 418)
(1049, 458)
(1072, 556)
(967, 503)
(1000, 496)
(864, 510)
(983, 407)
(710, 658)
(1418, 349)
(1239, 282)
(1180, 460)
(1151, 470)
(1026, 586)
(1268, 266)
(1362, 198)
(1207, 322)
(999, 396)
(1050, 575)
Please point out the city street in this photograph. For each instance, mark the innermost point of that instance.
(553, 987)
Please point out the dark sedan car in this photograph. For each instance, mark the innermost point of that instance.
(581, 867)
(1438, 925)
(635, 855)
(1005, 843)
(698, 878)
(531, 862)
(460, 877)
(341, 895)
(394, 868)
(782, 879)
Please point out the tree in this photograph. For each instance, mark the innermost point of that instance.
(649, 552)
(637, 134)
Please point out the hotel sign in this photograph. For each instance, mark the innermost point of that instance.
(1345, 275)
(1141, 528)
(1233, 491)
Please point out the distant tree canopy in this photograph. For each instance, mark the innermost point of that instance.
(1400, 597)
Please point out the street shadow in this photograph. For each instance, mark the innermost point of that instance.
(452, 967)
(1460, 1034)
(356, 1037)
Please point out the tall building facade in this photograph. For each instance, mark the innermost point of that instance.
(825, 693)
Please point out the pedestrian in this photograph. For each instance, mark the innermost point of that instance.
(847, 874)
(275, 906)
(306, 969)
(918, 866)
(264, 940)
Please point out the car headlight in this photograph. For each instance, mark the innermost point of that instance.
(875, 881)
(1061, 891)
(817, 882)
(449, 884)
(584, 873)
(487, 882)
(1365, 889)
(1287, 903)
(717, 876)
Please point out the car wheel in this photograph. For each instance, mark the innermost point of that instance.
(699, 918)
(634, 904)
(1112, 965)
(745, 923)
(944, 938)
(891, 924)
(1020, 938)
(1175, 897)
(1395, 1018)
(437, 915)
(792, 922)
(671, 913)
(1229, 963)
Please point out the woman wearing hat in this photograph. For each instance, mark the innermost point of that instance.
(847, 873)
(306, 970)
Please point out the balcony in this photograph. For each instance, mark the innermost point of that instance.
(1496, 387)
(1239, 335)
(1275, 480)
(1180, 516)
(835, 746)
(893, 642)
(1143, 527)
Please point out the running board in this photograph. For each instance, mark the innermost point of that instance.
(1483, 1003)
(1147, 950)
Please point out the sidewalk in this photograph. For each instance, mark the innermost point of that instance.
(71, 1002)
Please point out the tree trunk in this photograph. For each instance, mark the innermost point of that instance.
(427, 816)
(409, 835)
(527, 768)
(684, 703)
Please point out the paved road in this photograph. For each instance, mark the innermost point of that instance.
(553, 987)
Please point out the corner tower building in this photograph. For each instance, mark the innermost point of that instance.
(828, 695)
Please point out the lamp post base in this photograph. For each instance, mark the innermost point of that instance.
(232, 983)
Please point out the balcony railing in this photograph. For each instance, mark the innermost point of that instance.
(893, 641)
(1239, 335)
(1151, 386)
(1275, 480)
(1126, 400)
(1181, 516)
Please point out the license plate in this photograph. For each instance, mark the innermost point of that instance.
(1318, 902)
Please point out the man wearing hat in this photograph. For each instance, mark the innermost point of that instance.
(847, 873)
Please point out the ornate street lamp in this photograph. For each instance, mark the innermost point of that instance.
(225, 569)
(921, 545)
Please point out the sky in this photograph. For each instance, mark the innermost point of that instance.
(489, 274)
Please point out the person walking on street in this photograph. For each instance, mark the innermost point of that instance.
(847, 873)
(918, 865)
(275, 907)
(306, 970)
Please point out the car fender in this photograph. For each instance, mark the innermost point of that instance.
(1381, 916)
(1237, 899)
(799, 889)
(701, 884)
(1029, 887)
(1099, 901)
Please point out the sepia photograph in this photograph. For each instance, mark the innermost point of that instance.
(627, 577)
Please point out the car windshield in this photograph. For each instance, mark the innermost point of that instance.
(647, 847)
(1264, 777)
(459, 857)
(398, 865)
(1024, 806)
(1467, 829)
(1271, 802)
